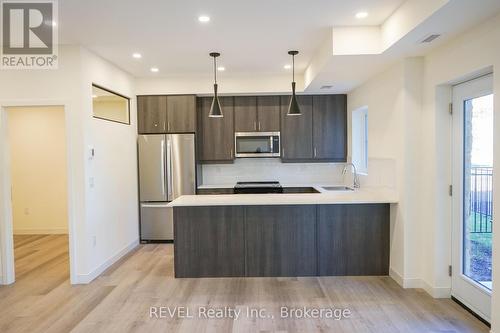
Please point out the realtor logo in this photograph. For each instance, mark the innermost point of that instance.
(29, 34)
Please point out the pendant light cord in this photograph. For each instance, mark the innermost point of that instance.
(293, 68)
(215, 69)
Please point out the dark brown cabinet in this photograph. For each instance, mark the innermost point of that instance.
(353, 239)
(245, 114)
(181, 114)
(257, 114)
(268, 113)
(210, 241)
(296, 131)
(330, 127)
(280, 241)
(166, 114)
(319, 133)
(152, 114)
(216, 135)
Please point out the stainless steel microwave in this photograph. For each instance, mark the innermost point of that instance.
(257, 144)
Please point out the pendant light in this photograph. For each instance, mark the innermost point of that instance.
(293, 108)
(215, 109)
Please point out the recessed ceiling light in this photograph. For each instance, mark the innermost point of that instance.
(154, 69)
(287, 66)
(94, 96)
(204, 19)
(361, 15)
(221, 68)
(137, 55)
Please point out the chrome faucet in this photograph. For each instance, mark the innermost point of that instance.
(355, 182)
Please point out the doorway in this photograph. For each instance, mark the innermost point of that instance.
(472, 194)
(35, 164)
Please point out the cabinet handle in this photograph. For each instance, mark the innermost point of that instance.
(255, 125)
(168, 126)
(231, 152)
(315, 152)
(259, 125)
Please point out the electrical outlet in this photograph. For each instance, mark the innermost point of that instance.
(91, 182)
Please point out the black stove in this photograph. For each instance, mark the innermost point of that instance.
(258, 187)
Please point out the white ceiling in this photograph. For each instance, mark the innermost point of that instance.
(253, 36)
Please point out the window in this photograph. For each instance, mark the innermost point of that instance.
(360, 139)
(111, 106)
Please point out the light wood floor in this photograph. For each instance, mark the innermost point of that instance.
(42, 299)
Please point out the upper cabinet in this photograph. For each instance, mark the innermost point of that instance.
(330, 127)
(152, 114)
(216, 135)
(319, 134)
(245, 114)
(296, 131)
(268, 113)
(166, 114)
(257, 114)
(181, 114)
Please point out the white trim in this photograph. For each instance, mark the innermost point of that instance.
(87, 278)
(58, 231)
(6, 234)
(396, 276)
(416, 283)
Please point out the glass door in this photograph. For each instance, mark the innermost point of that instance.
(472, 194)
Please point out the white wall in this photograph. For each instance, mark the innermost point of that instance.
(109, 210)
(389, 129)
(471, 53)
(111, 204)
(421, 92)
(228, 84)
(37, 139)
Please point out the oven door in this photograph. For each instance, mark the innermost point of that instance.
(257, 144)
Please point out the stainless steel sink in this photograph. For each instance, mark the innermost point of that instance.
(338, 188)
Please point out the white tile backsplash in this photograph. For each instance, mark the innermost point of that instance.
(381, 172)
(262, 169)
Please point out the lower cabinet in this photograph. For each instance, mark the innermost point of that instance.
(353, 239)
(280, 241)
(209, 241)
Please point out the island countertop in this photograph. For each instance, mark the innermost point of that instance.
(359, 196)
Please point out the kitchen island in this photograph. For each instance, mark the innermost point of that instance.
(305, 234)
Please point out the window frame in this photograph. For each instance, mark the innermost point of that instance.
(117, 94)
(360, 117)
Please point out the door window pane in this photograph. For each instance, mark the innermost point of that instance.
(478, 189)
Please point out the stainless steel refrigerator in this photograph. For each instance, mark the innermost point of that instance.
(166, 171)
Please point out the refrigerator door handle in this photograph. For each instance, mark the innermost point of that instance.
(169, 169)
(162, 175)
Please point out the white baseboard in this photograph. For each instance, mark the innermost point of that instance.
(40, 231)
(87, 278)
(416, 283)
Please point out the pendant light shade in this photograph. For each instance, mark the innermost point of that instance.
(293, 108)
(215, 109)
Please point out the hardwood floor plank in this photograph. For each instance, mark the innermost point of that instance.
(42, 300)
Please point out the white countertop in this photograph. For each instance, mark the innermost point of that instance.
(359, 196)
